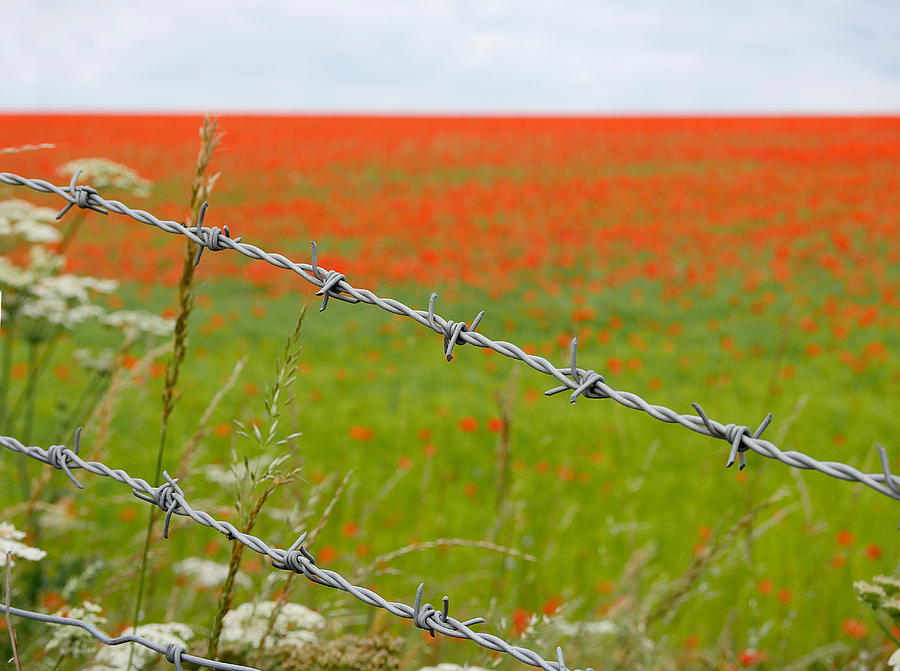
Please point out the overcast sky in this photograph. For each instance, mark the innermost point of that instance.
(457, 56)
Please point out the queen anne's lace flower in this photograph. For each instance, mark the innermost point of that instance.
(246, 625)
(894, 661)
(20, 221)
(10, 542)
(103, 361)
(207, 573)
(870, 594)
(102, 173)
(74, 641)
(889, 583)
(134, 322)
(115, 658)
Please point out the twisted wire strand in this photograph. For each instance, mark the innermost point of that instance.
(170, 498)
(578, 381)
(174, 653)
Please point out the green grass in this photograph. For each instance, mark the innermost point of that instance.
(592, 482)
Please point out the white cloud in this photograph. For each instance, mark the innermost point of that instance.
(580, 56)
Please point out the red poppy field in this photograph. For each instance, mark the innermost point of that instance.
(746, 264)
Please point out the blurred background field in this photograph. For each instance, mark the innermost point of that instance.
(747, 264)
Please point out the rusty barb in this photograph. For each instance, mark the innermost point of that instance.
(579, 382)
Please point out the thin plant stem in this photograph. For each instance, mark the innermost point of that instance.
(35, 371)
(8, 341)
(9, 626)
(237, 551)
(73, 228)
(200, 187)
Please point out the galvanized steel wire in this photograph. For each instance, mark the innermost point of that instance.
(170, 498)
(578, 381)
(174, 653)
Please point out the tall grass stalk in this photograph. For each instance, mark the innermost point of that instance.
(200, 187)
(5, 370)
(279, 396)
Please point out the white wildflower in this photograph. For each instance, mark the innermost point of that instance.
(567, 628)
(35, 232)
(74, 641)
(207, 573)
(55, 310)
(101, 173)
(892, 608)
(447, 666)
(894, 661)
(41, 261)
(14, 210)
(869, 594)
(133, 322)
(103, 361)
(14, 277)
(115, 658)
(890, 584)
(247, 624)
(10, 541)
(20, 221)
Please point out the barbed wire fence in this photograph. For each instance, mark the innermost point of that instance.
(331, 284)
(174, 653)
(171, 499)
(579, 382)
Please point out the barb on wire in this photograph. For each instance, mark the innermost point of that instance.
(170, 498)
(581, 382)
(210, 236)
(329, 280)
(451, 330)
(80, 196)
(174, 653)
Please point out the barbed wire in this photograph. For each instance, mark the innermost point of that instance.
(174, 653)
(170, 498)
(580, 382)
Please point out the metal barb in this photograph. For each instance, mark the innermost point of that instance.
(453, 331)
(210, 238)
(198, 229)
(886, 469)
(330, 279)
(734, 434)
(81, 196)
(561, 660)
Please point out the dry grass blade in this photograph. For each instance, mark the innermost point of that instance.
(439, 543)
(27, 147)
(9, 626)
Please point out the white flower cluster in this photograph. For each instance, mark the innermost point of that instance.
(103, 361)
(115, 658)
(10, 542)
(133, 322)
(869, 593)
(894, 661)
(64, 300)
(74, 641)
(595, 627)
(206, 573)
(102, 173)
(20, 221)
(294, 627)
